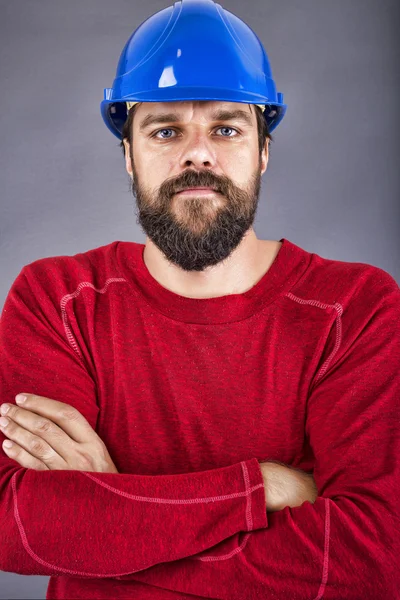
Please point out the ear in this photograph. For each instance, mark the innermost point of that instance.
(265, 157)
(128, 164)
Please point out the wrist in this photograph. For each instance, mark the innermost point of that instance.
(275, 485)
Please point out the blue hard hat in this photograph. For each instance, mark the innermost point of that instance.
(193, 50)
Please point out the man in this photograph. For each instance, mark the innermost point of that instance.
(190, 395)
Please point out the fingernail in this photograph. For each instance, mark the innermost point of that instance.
(20, 399)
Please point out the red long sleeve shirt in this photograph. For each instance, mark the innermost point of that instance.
(189, 395)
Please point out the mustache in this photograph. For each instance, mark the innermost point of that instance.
(190, 179)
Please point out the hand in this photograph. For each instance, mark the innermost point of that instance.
(286, 486)
(54, 436)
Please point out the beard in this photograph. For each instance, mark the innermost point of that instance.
(195, 232)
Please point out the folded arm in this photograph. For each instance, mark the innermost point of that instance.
(345, 545)
(99, 524)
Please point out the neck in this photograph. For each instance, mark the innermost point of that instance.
(236, 275)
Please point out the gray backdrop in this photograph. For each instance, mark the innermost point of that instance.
(332, 183)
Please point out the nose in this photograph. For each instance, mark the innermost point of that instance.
(198, 152)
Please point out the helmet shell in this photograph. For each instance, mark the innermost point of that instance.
(193, 50)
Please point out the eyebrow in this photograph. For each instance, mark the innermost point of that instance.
(217, 115)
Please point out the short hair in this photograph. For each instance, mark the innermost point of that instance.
(262, 128)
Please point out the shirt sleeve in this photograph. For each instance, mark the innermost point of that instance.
(85, 524)
(346, 545)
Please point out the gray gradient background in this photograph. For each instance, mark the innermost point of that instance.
(333, 179)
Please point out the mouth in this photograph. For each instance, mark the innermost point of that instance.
(209, 190)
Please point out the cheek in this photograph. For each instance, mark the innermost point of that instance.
(153, 169)
(237, 168)
(161, 164)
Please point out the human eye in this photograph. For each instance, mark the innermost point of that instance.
(231, 128)
(163, 129)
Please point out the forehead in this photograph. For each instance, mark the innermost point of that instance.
(182, 105)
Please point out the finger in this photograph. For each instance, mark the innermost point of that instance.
(68, 418)
(23, 458)
(39, 436)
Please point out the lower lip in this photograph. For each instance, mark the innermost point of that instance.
(199, 192)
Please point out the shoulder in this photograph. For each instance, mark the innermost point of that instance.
(345, 282)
